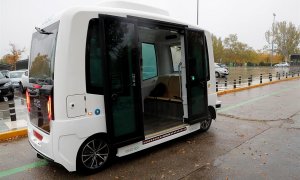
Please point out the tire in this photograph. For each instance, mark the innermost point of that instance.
(11, 97)
(205, 125)
(94, 155)
(217, 74)
(22, 89)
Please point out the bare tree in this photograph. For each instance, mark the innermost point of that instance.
(286, 38)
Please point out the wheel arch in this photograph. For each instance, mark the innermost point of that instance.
(97, 135)
(212, 112)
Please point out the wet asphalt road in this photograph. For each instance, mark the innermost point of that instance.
(256, 136)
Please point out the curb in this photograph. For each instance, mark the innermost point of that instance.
(220, 93)
(13, 134)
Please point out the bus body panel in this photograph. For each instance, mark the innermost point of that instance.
(70, 80)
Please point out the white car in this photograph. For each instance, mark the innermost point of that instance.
(282, 65)
(24, 82)
(15, 77)
(220, 71)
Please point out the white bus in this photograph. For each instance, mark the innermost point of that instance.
(114, 79)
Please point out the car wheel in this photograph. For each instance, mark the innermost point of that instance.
(93, 155)
(22, 90)
(217, 74)
(10, 97)
(205, 125)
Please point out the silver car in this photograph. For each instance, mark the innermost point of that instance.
(15, 77)
(220, 71)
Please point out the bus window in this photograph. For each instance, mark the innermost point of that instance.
(149, 61)
(94, 61)
(176, 56)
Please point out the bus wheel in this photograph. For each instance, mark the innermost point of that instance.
(94, 155)
(205, 125)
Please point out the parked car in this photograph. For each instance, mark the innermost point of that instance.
(282, 65)
(15, 77)
(222, 65)
(6, 88)
(220, 71)
(5, 72)
(24, 82)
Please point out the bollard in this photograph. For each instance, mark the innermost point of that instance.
(12, 111)
(217, 88)
(276, 74)
(286, 75)
(292, 74)
(283, 74)
(249, 81)
(298, 73)
(279, 76)
(260, 79)
(251, 78)
(234, 84)
(270, 76)
(225, 83)
(240, 80)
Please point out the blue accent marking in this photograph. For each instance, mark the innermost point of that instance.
(97, 111)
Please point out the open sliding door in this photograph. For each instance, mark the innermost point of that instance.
(122, 85)
(196, 75)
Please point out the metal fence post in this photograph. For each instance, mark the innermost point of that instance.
(234, 84)
(217, 88)
(240, 80)
(260, 79)
(249, 81)
(12, 111)
(270, 76)
(226, 83)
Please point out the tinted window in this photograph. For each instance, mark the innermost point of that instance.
(42, 55)
(94, 59)
(149, 61)
(176, 56)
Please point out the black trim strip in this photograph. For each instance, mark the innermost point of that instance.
(164, 135)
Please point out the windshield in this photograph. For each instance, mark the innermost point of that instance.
(42, 56)
(15, 74)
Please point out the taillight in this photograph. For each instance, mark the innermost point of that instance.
(28, 101)
(49, 107)
(37, 135)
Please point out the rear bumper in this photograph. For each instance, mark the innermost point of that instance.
(44, 146)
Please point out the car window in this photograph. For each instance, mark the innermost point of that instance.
(15, 74)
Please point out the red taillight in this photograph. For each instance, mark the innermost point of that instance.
(28, 101)
(37, 135)
(49, 107)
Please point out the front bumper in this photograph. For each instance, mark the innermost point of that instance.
(6, 91)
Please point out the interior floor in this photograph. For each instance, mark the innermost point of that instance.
(153, 124)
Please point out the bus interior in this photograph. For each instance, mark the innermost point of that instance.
(161, 79)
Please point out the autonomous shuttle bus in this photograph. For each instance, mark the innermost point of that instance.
(114, 79)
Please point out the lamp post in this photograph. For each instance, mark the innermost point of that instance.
(272, 38)
(197, 10)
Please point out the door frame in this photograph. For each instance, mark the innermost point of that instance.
(198, 117)
(138, 135)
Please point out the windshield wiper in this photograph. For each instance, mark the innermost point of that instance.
(42, 31)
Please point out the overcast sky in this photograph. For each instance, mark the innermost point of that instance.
(249, 19)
